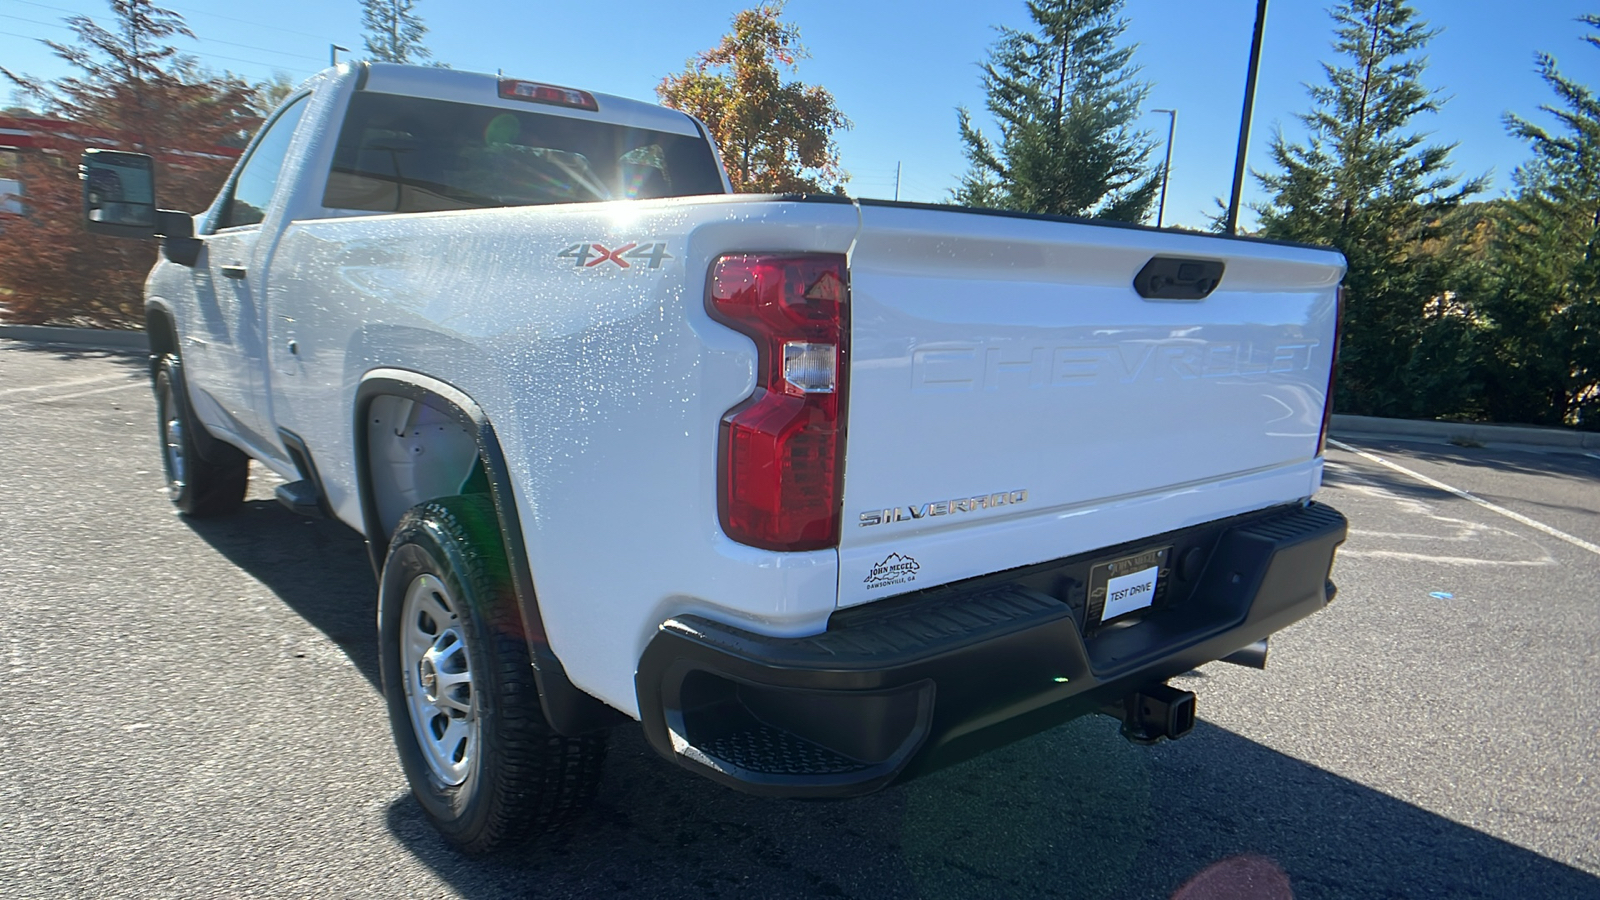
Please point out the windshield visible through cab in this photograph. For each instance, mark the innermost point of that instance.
(408, 154)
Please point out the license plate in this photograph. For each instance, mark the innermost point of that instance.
(1126, 585)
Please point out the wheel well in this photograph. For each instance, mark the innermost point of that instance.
(162, 333)
(417, 449)
(416, 442)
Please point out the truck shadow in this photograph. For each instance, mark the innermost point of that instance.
(1562, 463)
(317, 567)
(1409, 488)
(1074, 812)
(136, 360)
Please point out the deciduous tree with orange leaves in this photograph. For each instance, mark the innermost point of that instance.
(775, 136)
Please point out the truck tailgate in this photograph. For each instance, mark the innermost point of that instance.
(1014, 399)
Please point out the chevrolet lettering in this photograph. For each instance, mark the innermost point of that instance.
(994, 368)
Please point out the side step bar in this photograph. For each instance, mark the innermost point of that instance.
(301, 497)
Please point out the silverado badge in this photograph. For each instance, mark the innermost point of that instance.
(943, 507)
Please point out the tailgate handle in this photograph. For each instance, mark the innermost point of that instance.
(1172, 278)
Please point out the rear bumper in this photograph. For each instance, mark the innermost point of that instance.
(911, 684)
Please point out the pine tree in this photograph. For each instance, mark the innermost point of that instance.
(774, 136)
(1544, 362)
(134, 91)
(1064, 98)
(394, 31)
(1365, 182)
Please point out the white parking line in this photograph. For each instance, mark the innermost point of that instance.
(1449, 540)
(64, 384)
(105, 390)
(1433, 482)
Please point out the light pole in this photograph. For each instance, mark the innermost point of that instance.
(1166, 167)
(333, 53)
(1244, 118)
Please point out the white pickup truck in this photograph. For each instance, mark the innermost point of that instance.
(826, 493)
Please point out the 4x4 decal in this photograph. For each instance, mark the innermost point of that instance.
(586, 256)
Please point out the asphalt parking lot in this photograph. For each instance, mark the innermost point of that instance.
(189, 709)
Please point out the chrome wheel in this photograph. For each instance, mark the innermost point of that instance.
(172, 439)
(438, 680)
(199, 485)
(460, 688)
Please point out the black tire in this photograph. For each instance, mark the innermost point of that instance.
(519, 778)
(200, 486)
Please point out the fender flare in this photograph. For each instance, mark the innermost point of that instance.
(569, 710)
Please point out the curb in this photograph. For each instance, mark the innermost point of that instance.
(88, 338)
(1466, 431)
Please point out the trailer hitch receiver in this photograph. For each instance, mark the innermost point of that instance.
(1154, 712)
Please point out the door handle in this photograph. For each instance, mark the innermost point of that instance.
(1172, 278)
(233, 271)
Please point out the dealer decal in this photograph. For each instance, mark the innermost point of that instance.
(646, 255)
(895, 569)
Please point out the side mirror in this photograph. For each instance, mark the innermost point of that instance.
(119, 193)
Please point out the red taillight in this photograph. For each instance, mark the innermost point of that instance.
(1333, 370)
(780, 478)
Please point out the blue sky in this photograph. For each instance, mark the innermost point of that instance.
(899, 69)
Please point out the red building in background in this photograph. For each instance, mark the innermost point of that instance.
(25, 134)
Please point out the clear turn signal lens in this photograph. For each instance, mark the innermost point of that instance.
(811, 368)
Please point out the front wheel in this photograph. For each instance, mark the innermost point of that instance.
(482, 761)
(198, 486)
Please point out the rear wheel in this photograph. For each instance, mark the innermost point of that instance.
(463, 705)
(199, 486)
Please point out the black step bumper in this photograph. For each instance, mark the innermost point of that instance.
(907, 685)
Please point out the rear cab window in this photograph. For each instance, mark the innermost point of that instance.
(409, 154)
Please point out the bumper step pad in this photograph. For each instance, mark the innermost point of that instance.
(771, 751)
